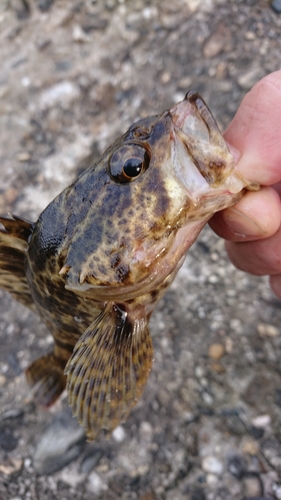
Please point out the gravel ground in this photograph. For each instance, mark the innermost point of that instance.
(74, 75)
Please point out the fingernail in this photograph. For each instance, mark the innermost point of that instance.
(240, 223)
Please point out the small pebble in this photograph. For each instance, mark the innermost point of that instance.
(248, 79)
(211, 479)
(261, 421)
(199, 371)
(2, 380)
(250, 35)
(96, 484)
(146, 431)
(252, 487)
(79, 35)
(119, 434)
(102, 468)
(212, 465)
(228, 345)
(8, 442)
(237, 465)
(216, 351)
(207, 398)
(72, 478)
(256, 432)
(12, 413)
(11, 194)
(11, 466)
(178, 96)
(277, 492)
(141, 470)
(110, 4)
(250, 447)
(214, 45)
(62, 93)
(193, 5)
(91, 461)
(24, 156)
(213, 279)
(235, 425)
(165, 77)
(185, 83)
(235, 325)
(265, 330)
(25, 81)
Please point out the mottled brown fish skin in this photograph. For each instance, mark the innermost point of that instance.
(98, 219)
(105, 250)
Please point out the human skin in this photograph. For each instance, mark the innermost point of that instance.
(252, 227)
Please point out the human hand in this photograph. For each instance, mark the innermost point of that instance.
(253, 226)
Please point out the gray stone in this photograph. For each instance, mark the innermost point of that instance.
(95, 484)
(276, 6)
(60, 443)
(91, 460)
(8, 441)
(44, 5)
(248, 79)
(212, 465)
(62, 93)
(236, 465)
(252, 486)
(235, 425)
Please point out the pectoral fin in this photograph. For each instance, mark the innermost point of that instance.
(109, 368)
(46, 378)
(13, 249)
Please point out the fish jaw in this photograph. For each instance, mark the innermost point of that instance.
(202, 139)
(202, 161)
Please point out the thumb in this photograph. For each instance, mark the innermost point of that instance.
(254, 135)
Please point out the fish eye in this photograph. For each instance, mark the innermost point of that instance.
(132, 167)
(128, 163)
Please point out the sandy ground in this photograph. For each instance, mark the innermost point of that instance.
(74, 75)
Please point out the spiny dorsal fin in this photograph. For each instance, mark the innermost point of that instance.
(13, 248)
(109, 368)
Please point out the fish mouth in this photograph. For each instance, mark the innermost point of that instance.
(201, 158)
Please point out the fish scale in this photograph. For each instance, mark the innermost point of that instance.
(103, 253)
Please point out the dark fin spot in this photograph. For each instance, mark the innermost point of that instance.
(46, 378)
(119, 341)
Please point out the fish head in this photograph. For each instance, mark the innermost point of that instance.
(130, 218)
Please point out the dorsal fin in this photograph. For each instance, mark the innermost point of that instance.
(109, 368)
(13, 249)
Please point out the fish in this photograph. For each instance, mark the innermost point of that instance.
(105, 250)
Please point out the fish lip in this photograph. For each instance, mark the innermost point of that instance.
(204, 165)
